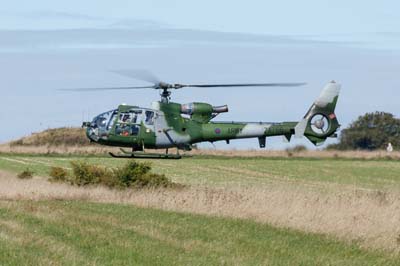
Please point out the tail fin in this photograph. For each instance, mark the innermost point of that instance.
(320, 121)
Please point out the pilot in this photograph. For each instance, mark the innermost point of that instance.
(124, 118)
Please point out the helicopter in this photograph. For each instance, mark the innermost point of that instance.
(173, 125)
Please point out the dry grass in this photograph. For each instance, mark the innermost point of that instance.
(301, 154)
(61, 149)
(55, 137)
(101, 150)
(368, 216)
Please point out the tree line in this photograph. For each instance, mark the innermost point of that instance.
(372, 131)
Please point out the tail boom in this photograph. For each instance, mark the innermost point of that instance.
(317, 125)
(240, 130)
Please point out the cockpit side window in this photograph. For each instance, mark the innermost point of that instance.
(137, 116)
(102, 121)
(128, 123)
(131, 117)
(134, 118)
(149, 118)
(112, 119)
(125, 117)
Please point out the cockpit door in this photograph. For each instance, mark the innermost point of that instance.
(148, 135)
(135, 126)
(128, 123)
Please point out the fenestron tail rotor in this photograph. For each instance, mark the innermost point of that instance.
(319, 124)
(147, 76)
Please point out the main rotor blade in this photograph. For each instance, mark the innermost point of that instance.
(246, 85)
(139, 74)
(110, 88)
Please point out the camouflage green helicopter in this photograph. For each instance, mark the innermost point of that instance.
(172, 125)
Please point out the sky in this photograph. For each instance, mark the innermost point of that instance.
(48, 45)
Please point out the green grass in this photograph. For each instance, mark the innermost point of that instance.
(81, 233)
(243, 171)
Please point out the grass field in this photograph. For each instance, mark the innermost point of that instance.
(80, 233)
(213, 170)
(233, 211)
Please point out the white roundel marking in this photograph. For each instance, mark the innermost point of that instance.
(253, 130)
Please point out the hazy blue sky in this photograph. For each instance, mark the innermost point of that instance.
(46, 45)
(255, 16)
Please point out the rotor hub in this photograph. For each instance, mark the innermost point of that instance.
(319, 124)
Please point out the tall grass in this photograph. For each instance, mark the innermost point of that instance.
(366, 217)
(82, 233)
(296, 153)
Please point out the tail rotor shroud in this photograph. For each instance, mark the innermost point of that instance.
(320, 121)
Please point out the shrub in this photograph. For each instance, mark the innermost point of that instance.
(16, 143)
(26, 174)
(138, 175)
(58, 174)
(153, 180)
(132, 174)
(87, 174)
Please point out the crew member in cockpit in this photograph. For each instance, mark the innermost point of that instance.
(125, 118)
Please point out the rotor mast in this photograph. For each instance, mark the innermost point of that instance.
(165, 95)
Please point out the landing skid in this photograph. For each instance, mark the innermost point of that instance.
(145, 155)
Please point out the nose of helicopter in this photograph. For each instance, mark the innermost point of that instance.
(85, 124)
(91, 132)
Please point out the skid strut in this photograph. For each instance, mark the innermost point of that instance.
(145, 155)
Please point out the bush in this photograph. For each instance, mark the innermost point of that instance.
(26, 174)
(58, 174)
(132, 174)
(87, 174)
(153, 180)
(138, 175)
